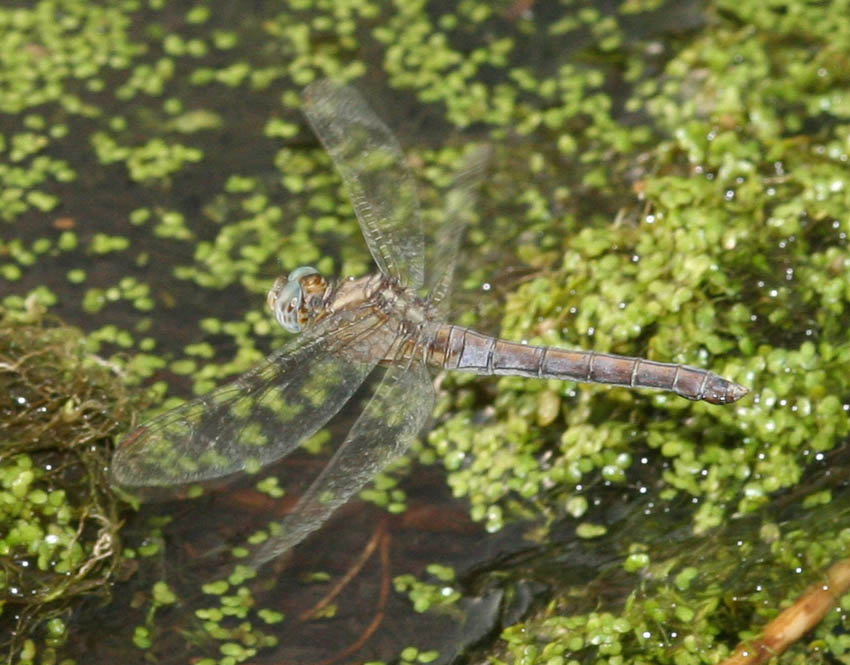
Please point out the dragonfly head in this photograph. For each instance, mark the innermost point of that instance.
(295, 299)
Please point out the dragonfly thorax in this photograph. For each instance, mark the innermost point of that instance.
(294, 299)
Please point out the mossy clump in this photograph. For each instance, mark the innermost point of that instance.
(59, 409)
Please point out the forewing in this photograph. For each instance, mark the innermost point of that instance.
(252, 421)
(375, 173)
(386, 427)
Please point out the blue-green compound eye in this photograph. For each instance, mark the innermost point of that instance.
(289, 301)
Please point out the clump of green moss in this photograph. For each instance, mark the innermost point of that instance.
(737, 260)
(59, 410)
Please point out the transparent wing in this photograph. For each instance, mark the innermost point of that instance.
(385, 429)
(460, 204)
(254, 420)
(375, 173)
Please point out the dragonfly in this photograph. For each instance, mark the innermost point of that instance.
(347, 329)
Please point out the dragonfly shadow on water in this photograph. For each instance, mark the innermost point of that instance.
(348, 329)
